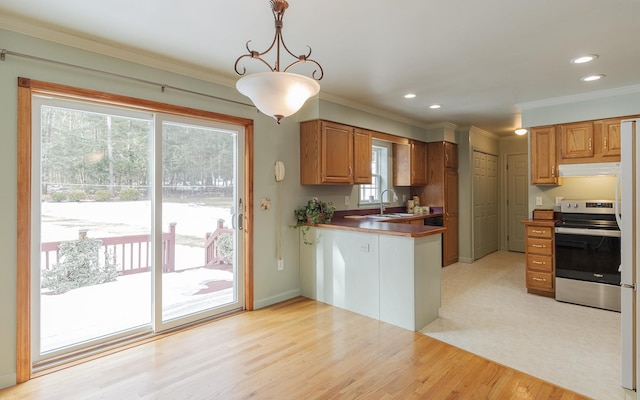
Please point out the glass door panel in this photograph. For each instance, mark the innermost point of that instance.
(92, 278)
(199, 185)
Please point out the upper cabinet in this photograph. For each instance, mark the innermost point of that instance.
(332, 153)
(573, 143)
(608, 131)
(590, 141)
(410, 163)
(576, 140)
(361, 156)
(543, 156)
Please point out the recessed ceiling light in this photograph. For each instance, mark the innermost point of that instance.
(584, 59)
(435, 106)
(591, 78)
(521, 131)
(409, 95)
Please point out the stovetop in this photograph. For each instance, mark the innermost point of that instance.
(588, 214)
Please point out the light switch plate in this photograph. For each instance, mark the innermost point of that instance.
(538, 201)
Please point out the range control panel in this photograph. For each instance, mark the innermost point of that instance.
(588, 206)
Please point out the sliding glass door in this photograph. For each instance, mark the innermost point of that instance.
(133, 223)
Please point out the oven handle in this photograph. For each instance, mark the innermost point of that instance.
(588, 232)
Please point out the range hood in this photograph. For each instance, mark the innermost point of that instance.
(589, 169)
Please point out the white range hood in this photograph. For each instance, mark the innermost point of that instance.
(589, 169)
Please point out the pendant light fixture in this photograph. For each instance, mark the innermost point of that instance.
(278, 93)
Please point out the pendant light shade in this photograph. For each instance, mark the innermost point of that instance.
(278, 94)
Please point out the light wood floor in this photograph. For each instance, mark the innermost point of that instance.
(300, 349)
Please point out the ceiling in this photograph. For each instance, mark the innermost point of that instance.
(478, 59)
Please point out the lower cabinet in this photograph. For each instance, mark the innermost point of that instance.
(393, 279)
(540, 258)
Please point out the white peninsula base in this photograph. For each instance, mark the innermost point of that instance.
(395, 279)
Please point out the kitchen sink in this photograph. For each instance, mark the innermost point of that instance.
(390, 215)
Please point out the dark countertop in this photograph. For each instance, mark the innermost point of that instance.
(392, 226)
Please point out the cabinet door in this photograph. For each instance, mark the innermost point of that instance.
(418, 163)
(362, 157)
(611, 138)
(543, 156)
(401, 164)
(450, 155)
(576, 140)
(336, 153)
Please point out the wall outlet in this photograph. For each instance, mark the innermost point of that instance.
(538, 201)
(280, 265)
(346, 200)
(559, 200)
(404, 198)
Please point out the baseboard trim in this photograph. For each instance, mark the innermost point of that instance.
(276, 299)
(465, 260)
(7, 380)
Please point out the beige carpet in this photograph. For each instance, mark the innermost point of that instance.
(486, 310)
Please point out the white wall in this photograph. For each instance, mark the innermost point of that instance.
(272, 142)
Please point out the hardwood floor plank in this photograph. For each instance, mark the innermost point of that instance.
(299, 349)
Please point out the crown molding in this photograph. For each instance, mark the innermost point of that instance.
(54, 34)
(371, 110)
(600, 94)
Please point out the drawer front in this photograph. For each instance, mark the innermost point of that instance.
(540, 231)
(539, 280)
(539, 246)
(540, 263)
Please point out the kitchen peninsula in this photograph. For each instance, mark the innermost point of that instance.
(386, 269)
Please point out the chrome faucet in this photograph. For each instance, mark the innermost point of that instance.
(395, 196)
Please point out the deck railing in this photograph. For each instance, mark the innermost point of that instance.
(212, 254)
(131, 253)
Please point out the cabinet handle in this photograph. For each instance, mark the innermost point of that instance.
(539, 262)
(589, 144)
(446, 157)
(539, 246)
(350, 171)
(536, 231)
(539, 279)
(553, 171)
(605, 142)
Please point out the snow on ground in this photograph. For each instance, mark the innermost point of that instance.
(98, 310)
(93, 311)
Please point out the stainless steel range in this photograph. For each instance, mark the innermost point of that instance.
(587, 251)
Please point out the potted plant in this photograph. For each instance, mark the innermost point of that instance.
(312, 213)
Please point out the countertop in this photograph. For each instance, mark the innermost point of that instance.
(388, 227)
(539, 222)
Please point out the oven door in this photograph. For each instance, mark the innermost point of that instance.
(588, 254)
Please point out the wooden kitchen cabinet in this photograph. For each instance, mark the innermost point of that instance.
(540, 271)
(410, 164)
(576, 140)
(608, 133)
(332, 153)
(362, 156)
(543, 156)
(442, 191)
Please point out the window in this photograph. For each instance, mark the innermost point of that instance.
(370, 193)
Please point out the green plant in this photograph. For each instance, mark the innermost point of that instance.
(129, 194)
(77, 195)
(79, 265)
(312, 213)
(59, 197)
(103, 195)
